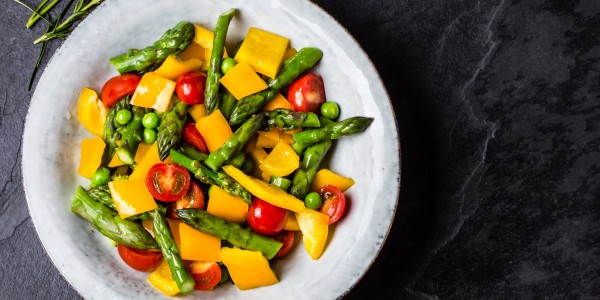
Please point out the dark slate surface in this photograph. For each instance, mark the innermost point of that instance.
(499, 115)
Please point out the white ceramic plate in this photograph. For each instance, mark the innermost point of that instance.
(52, 136)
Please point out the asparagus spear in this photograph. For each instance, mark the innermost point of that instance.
(211, 92)
(132, 135)
(111, 135)
(332, 131)
(288, 120)
(305, 59)
(207, 176)
(179, 273)
(238, 236)
(237, 160)
(227, 103)
(171, 126)
(280, 182)
(107, 222)
(304, 176)
(173, 41)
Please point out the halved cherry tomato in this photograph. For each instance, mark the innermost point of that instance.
(307, 93)
(119, 87)
(138, 259)
(266, 218)
(193, 199)
(206, 274)
(193, 137)
(334, 202)
(285, 237)
(168, 182)
(190, 87)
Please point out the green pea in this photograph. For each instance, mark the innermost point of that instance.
(123, 116)
(313, 200)
(149, 135)
(150, 120)
(227, 64)
(330, 110)
(101, 176)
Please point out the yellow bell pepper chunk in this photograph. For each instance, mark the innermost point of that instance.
(225, 206)
(267, 139)
(314, 226)
(265, 191)
(198, 112)
(289, 52)
(326, 176)
(150, 159)
(131, 197)
(115, 162)
(204, 38)
(91, 156)
(171, 68)
(263, 51)
(153, 91)
(282, 160)
(194, 50)
(162, 280)
(291, 224)
(248, 269)
(242, 81)
(195, 245)
(91, 112)
(214, 129)
(286, 137)
(141, 152)
(278, 102)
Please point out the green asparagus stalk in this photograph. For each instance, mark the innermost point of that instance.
(227, 103)
(173, 41)
(107, 222)
(132, 135)
(332, 131)
(236, 142)
(304, 176)
(288, 120)
(171, 126)
(192, 152)
(179, 272)
(305, 59)
(207, 176)
(111, 135)
(280, 182)
(211, 92)
(238, 236)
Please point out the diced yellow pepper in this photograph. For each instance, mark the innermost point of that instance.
(265, 191)
(314, 226)
(153, 91)
(195, 245)
(263, 50)
(267, 139)
(91, 111)
(91, 156)
(162, 280)
(242, 81)
(141, 152)
(214, 129)
(248, 269)
(198, 112)
(194, 50)
(291, 223)
(228, 207)
(326, 176)
(289, 52)
(282, 160)
(150, 159)
(172, 67)
(204, 38)
(286, 137)
(131, 197)
(278, 102)
(115, 162)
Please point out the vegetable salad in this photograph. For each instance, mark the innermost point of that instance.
(206, 163)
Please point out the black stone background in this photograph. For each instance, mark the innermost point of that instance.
(499, 114)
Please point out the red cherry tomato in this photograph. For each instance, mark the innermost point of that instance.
(334, 202)
(119, 87)
(193, 199)
(193, 137)
(141, 260)
(285, 237)
(168, 182)
(190, 87)
(206, 274)
(307, 93)
(265, 218)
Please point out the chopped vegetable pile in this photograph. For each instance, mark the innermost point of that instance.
(202, 170)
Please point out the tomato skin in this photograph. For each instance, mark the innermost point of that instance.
(193, 199)
(206, 274)
(190, 87)
(265, 218)
(168, 182)
(119, 87)
(285, 237)
(193, 137)
(307, 93)
(141, 260)
(334, 202)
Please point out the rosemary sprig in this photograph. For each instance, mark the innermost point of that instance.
(63, 29)
(34, 12)
(40, 11)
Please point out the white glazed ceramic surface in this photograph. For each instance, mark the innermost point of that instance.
(53, 134)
